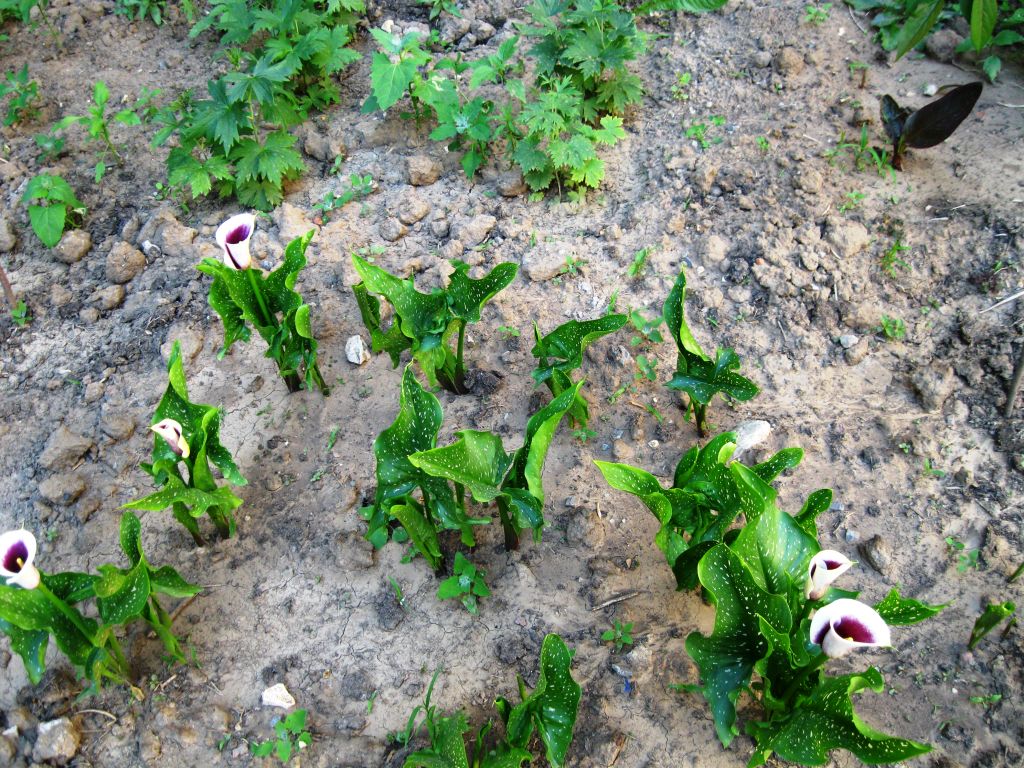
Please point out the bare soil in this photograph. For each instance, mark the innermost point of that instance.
(910, 433)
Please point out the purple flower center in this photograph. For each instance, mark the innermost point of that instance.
(16, 557)
(237, 235)
(833, 564)
(851, 629)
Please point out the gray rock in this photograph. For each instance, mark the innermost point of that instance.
(7, 237)
(934, 385)
(318, 147)
(172, 237)
(124, 262)
(714, 249)
(761, 59)
(108, 298)
(60, 296)
(73, 246)
(878, 554)
(423, 170)
(453, 28)
(545, 261)
(412, 208)
(475, 231)
(64, 449)
(848, 340)
(94, 391)
(56, 741)
(481, 30)
(941, 44)
(511, 184)
(440, 227)
(355, 350)
(789, 62)
(392, 229)
(115, 425)
(89, 315)
(847, 237)
(809, 180)
(704, 174)
(62, 489)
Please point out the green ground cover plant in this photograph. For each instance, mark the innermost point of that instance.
(186, 442)
(549, 710)
(52, 205)
(427, 323)
(35, 605)
(22, 96)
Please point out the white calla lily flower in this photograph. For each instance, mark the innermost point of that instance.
(233, 237)
(17, 551)
(171, 431)
(844, 625)
(825, 567)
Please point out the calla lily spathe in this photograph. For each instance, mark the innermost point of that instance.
(825, 567)
(233, 237)
(17, 551)
(844, 625)
(171, 431)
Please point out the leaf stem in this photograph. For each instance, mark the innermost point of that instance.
(460, 369)
(267, 317)
(12, 300)
(69, 613)
(801, 679)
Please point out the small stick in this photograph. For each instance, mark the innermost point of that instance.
(1018, 372)
(182, 607)
(621, 598)
(857, 23)
(1008, 299)
(97, 712)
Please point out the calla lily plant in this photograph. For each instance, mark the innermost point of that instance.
(186, 443)
(244, 297)
(35, 606)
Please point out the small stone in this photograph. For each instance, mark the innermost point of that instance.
(809, 260)
(622, 450)
(89, 315)
(412, 209)
(481, 30)
(124, 262)
(930, 89)
(392, 229)
(848, 340)
(877, 553)
(116, 425)
(847, 237)
(809, 180)
(941, 44)
(475, 231)
(789, 62)
(291, 222)
(73, 246)
(57, 741)
(108, 298)
(855, 354)
(318, 147)
(7, 237)
(934, 385)
(453, 28)
(511, 184)
(191, 342)
(355, 350)
(545, 261)
(749, 435)
(277, 696)
(761, 59)
(704, 174)
(94, 391)
(440, 228)
(64, 449)
(423, 170)
(62, 489)
(714, 250)
(60, 296)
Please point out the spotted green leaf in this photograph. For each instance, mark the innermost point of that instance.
(447, 750)
(898, 610)
(825, 720)
(551, 708)
(476, 460)
(122, 594)
(466, 296)
(726, 658)
(30, 645)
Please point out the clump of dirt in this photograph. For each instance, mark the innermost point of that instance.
(785, 251)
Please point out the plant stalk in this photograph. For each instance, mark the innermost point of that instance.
(801, 679)
(12, 300)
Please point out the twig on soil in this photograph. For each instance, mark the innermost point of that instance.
(177, 611)
(1018, 372)
(857, 23)
(1000, 303)
(1010, 106)
(619, 599)
(97, 712)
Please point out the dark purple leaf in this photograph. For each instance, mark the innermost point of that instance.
(935, 122)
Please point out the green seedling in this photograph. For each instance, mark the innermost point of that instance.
(966, 559)
(437, 7)
(466, 583)
(52, 205)
(290, 736)
(988, 700)
(699, 131)
(763, 144)
(639, 263)
(891, 261)
(49, 145)
(893, 328)
(550, 710)
(187, 433)
(993, 615)
(932, 471)
(396, 589)
(358, 188)
(816, 14)
(19, 313)
(496, 67)
(573, 266)
(583, 434)
(700, 377)
(560, 352)
(244, 297)
(508, 331)
(646, 328)
(620, 634)
(97, 124)
(681, 87)
(35, 605)
(23, 96)
(426, 323)
(703, 502)
(143, 9)
(852, 201)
